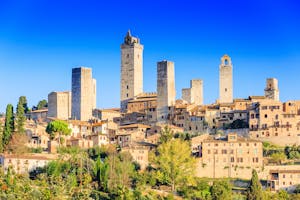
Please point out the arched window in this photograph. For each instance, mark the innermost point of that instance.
(226, 62)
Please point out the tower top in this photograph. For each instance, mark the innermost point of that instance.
(226, 60)
(129, 39)
(128, 33)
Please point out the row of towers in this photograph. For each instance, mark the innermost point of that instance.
(132, 79)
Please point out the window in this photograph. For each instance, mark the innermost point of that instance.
(127, 87)
(225, 89)
(216, 151)
(232, 159)
(226, 62)
(266, 116)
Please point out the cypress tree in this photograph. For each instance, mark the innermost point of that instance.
(255, 190)
(9, 125)
(1, 138)
(23, 102)
(20, 117)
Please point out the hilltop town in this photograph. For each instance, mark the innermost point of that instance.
(229, 138)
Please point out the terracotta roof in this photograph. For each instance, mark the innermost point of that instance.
(39, 111)
(142, 99)
(286, 171)
(78, 122)
(224, 139)
(99, 123)
(110, 109)
(134, 126)
(257, 97)
(38, 156)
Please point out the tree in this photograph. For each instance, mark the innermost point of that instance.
(175, 162)
(1, 138)
(9, 124)
(255, 191)
(282, 195)
(42, 104)
(278, 157)
(166, 134)
(20, 116)
(120, 171)
(297, 189)
(221, 190)
(101, 173)
(57, 127)
(292, 152)
(23, 102)
(238, 124)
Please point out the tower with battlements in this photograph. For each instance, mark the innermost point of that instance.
(225, 80)
(131, 69)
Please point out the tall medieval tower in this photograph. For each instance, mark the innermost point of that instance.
(165, 89)
(271, 90)
(225, 87)
(131, 69)
(83, 94)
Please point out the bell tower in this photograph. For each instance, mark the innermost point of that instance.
(226, 82)
(131, 69)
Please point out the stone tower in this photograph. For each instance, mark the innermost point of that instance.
(271, 90)
(131, 69)
(83, 94)
(165, 89)
(59, 105)
(194, 94)
(226, 85)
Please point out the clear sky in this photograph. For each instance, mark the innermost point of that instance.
(41, 41)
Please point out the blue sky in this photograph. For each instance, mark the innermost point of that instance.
(41, 41)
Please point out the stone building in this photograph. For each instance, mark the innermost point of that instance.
(83, 94)
(142, 102)
(165, 89)
(271, 90)
(226, 82)
(131, 69)
(25, 163)
(269, 121)
(283, 177)
(59, 105)
(139, 152)
(232, 157)
(194, 94)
